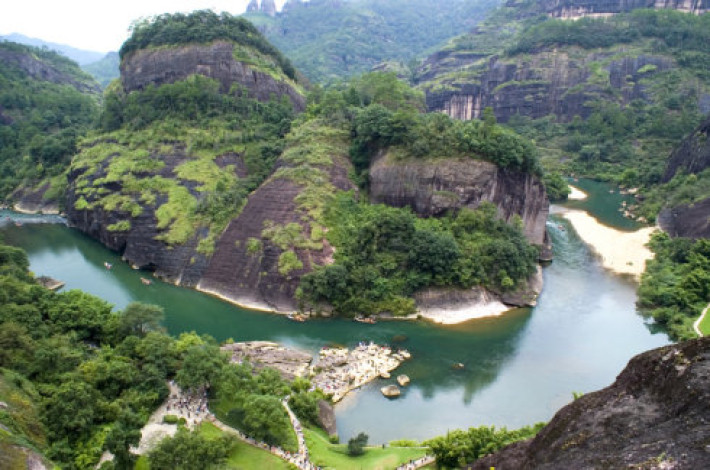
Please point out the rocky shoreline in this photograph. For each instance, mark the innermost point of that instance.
(335, 370)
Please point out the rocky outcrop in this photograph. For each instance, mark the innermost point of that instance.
(654, 416)
(216, 60)
(326, 417)
(433, 187)
(693, 153)
(686, 220)
(574, 9)
(32, 201)
(557, 82)
(44, 71)
(252, 277)
(140, 246)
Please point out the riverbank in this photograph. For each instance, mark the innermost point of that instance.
(459, 314)
(620, 252)
(576, 194)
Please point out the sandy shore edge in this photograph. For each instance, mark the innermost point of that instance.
(576, 194)
(452, 316)
(620, 252)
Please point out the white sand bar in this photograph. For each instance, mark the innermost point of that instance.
(576, 194)
(460, 314)
(620, 252)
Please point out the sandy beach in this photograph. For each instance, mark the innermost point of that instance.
(576, 194)
(460, 314)
(620, 252)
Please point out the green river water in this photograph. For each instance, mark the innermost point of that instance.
(520, 368)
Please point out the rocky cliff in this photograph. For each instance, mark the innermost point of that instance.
(250, 265)
(574, 9)
(141, 243)
(46, 71)
(224, 61)
(691, 156)
(654, 416)
(559, 82)
(433, 187)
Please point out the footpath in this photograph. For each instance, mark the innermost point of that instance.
(696, 325)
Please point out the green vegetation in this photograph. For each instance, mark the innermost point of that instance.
(384, 254)
(243, 455)
(41, 119)
(328, 42)
(459, 447)
(201, 27)
(191, 450)
(356, 445)
(325, 454)
(704, 325)
(675, 288)
(104, 70)
(190, 119)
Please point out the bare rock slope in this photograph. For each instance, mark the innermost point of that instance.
(655, 415)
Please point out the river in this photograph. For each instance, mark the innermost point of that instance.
(519, 368)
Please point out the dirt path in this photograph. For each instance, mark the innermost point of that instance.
(696, 325)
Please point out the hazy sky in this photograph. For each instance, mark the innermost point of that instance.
(96, 25)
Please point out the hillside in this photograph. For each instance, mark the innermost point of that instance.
(104, 70)
(201, 174)
(46, 103)
(605, 97)
(334, 39)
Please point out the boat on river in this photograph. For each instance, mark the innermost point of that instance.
(368, 320)
(107, 265)
(146, 282)
(296, 317)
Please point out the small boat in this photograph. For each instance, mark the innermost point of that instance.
(298, 318)
(107, 265)
(18, 224)
(368, 320)
(146, 282)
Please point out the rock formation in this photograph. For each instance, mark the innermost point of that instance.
(691, 156)
(37, 69)
(433, 187)
(574, 9)
(555, 82)
(655, 415)
(216, 60)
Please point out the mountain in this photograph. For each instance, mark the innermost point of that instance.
(334, 39)
(104, 70)
(202, 173)
(605, 97)
(653, 416)
(80, 56)
(46, 104)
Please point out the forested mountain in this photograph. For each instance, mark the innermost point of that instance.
(46, 103)
(334, 39)
(605, 97)
(80, 56)
(200, 167)
(104, 70)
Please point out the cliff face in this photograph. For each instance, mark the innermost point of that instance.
(140, 245)
(216, 60)
(693, 153)
(654, 416)
(432, 187)
(559, 82)
(37, 69)
(573, 9)
(246, 266)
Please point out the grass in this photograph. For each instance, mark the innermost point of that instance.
(328, 455)
(243, 455)
(704, 325)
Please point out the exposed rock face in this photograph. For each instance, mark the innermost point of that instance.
(326, 417)
(432, 187)
(180, 264)
(691, 156)
(253, 279)
(558, 82)
(693, 153)
(216, 60)
(291, 363)
(691, 221)
(655, 415)
(40, 70)
(573, 9)
(31, 201)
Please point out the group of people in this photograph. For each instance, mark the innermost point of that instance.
(414, 464)
(191, 406)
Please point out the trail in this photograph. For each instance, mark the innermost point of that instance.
(696, 325)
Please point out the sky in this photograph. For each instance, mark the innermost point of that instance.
(95, 25)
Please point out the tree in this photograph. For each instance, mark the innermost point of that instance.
(201, 367)
(138, 319)
(265, 419)
(190, 451)
(356, 445)
(124, 434)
